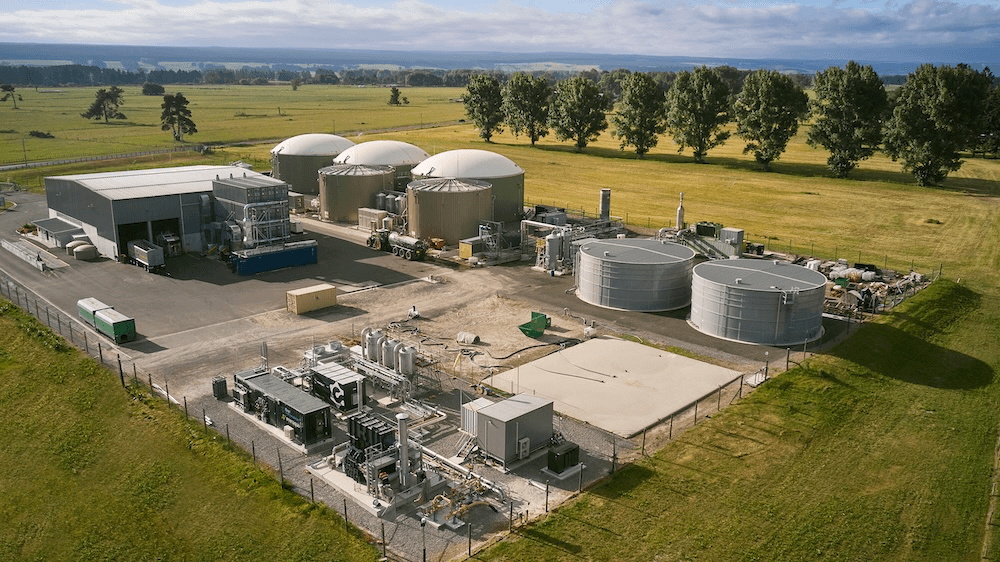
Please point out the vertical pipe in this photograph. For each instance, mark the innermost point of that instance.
(404, 450)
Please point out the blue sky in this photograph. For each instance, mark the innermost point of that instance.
(876, 30)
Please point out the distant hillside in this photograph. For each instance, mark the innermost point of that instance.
(207, 58)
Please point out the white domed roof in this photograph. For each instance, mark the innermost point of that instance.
(382, 153)
(467, 163)
(313, 144)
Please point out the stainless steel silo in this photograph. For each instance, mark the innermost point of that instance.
(764, 302)
(635, 274)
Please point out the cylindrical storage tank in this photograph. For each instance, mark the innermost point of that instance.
(387, 359)
(635, 274)
(506, 178)
(296, 160)
(757, 301)
(448, 208)
(402, 156)
(343, 188)
(85, 252)
(73, 245)
(380, 201)
(364, 341)
(372, 345)
(605, 207)
(406, 361)
(553, 243)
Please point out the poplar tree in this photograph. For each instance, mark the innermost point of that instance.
(698, 110)
(639, 120)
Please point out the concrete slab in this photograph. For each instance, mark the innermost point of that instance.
(617, 385)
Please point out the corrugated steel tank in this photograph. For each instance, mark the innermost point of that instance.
(506, 178)
(344, 188)
(448, 208)
(635, 274)
(765, 302)
(402, 156)
(297, 159)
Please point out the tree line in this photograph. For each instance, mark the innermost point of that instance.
(938, 112)
(84, 75)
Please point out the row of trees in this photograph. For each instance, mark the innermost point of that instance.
(939, 111)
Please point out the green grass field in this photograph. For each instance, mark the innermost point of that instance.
(94, 472)
(881, 449)
(222, 113)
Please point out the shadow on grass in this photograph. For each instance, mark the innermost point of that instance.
(534, 534)
(903, 351)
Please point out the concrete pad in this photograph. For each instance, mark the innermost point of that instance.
(620, 386)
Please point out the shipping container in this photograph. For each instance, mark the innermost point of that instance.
(308, 299)
(87, 307)
(115, 325)
(270, 258)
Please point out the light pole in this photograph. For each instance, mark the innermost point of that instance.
(423, 533)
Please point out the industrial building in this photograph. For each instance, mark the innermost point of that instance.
(765, 302)
(402, 156)
(634, 274)
(505, 177)
(113, 208)
(297, 159)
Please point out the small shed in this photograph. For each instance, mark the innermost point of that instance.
(514, 428)
(308, 299)
(57, 231)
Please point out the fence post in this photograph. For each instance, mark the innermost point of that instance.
(696, 412)
(346, 526)
(741, 387)
(228, 440)
(185, 407)
(58, 321)
(100, 352)
(253, 451)
(121, 373)
(383, 538)
(643, 449)
(204, 423)
(166, 391)
(718, 406)
(670, 435)
(86, 343)
(48, 321)
(150, 381)
(281, 472)
(312, 490)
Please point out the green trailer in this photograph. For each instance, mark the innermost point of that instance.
(115, 325)
(86, 308)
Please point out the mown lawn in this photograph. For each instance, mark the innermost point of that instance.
(94, 472)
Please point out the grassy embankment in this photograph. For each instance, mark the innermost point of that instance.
(95, 472)
(881, 450)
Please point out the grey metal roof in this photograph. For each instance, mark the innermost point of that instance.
(292, 397)
(760, 275)
(157, 182)
(637, 251)
(55, 225)
(337, 373)
(251, 179)
(356, 170)
(111, 315)
(448, 185)
(514, 407)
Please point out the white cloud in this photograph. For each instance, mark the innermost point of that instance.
(656, 27)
